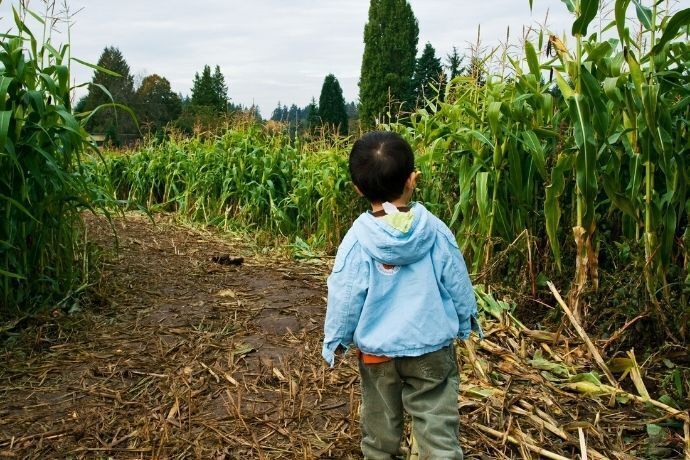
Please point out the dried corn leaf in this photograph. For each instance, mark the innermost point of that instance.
(474, 391)
(636, 376)
(539, 362)
(620, 365)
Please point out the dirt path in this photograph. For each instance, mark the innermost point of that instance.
(189, 358)
(185, 357)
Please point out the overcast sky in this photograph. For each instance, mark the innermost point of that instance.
(275, 50)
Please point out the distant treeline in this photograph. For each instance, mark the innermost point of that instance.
(390, 85)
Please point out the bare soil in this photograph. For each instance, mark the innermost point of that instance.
(184, 357)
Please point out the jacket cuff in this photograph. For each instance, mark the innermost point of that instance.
(468, 325)
(328, 351)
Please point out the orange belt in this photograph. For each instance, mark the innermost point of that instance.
(372, 359)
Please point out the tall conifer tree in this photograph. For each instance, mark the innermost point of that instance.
(312, 114)
(428, 76)
(332, 105)
(453, 63)
(390, 49)
(220, 89)
(110, 121)
(210, 90)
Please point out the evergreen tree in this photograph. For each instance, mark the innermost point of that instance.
(332, 105)
(454, 61)
(293, 115)
(156, 103)
(80, 105)
(220, 89)
(312, 115)
(203, 89)
(113, 122)
(351, 109)
(209, 90)
(277, 114)
(390, 49)
(428, 76)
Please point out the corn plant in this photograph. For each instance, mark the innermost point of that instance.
(43, 187)
(589, 141)
(245, 175)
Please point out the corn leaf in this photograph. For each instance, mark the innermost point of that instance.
(535, 149)
(97, 67)
(585, 163)
(620, 10)
(474, 391)
(592, 91)
(570, 4)
(600, 51)
(5, 83)
(18, 205)
(5, 117)
(532, 59)
(564, 86)
(678, 20)
(644, 14)
(635, 71)
(11, 275)
(620, 365)
(494, 113)
(539, 362)
(619, 200)
(588, 11)
(552, 207)
(483, 197)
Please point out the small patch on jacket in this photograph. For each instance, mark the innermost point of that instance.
(386, 269)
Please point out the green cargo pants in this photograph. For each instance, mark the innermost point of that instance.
(427, 388)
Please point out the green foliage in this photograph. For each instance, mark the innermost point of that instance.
(209, 90)
(43, 186)
(156, 104)
(313, 118)
(512, 162)
(111, 83)
(453, 63)
(428, 78)
(390, 49)
(332, 105)
(247, 176)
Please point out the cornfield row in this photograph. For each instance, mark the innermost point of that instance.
(601, 147)
(42, 186)
(247, 176)
(583, 151)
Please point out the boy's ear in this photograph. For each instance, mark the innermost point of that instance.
(412, 180)
(359, 192)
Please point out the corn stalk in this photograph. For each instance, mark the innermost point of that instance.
(43, 184)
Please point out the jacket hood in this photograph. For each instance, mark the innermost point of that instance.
(389, 245)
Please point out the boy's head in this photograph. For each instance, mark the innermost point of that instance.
(381, 164)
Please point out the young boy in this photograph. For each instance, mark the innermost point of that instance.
(400, 292)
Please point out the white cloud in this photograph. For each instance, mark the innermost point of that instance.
(272, 50)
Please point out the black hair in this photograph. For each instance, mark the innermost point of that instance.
(380, 163)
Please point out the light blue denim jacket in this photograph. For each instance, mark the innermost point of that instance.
(394, 293)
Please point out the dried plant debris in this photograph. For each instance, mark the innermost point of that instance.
(187, 358)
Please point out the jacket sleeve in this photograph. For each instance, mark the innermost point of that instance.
(456, 281)
(347, 291)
